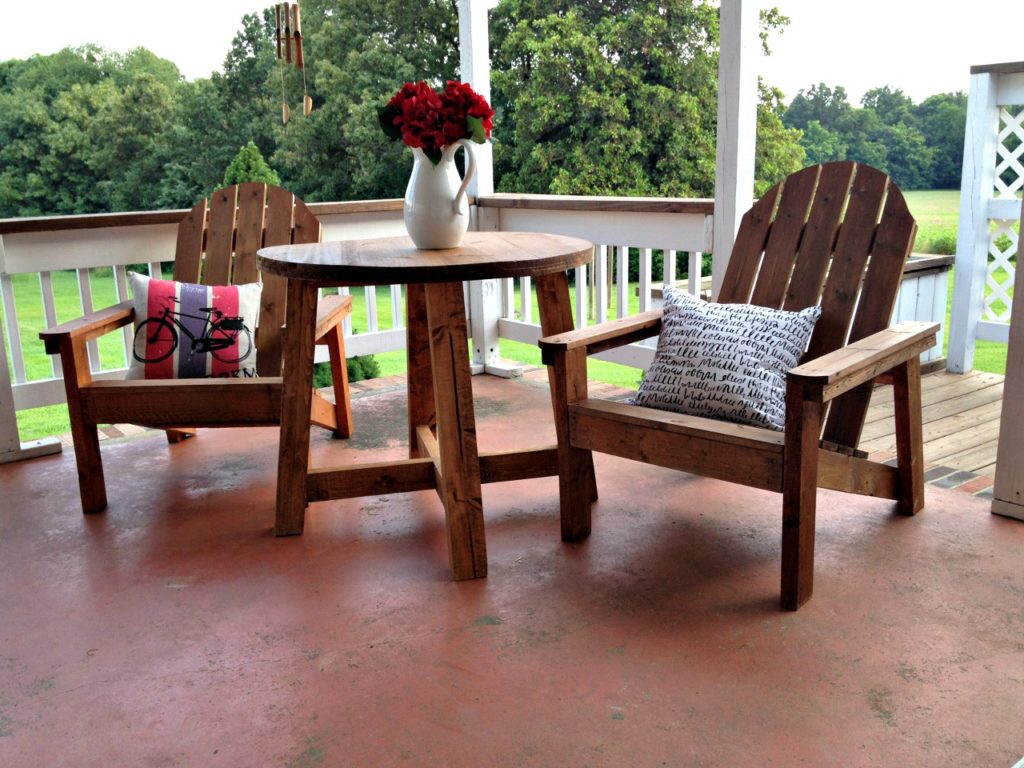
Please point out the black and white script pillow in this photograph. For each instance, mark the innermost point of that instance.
(726, 361)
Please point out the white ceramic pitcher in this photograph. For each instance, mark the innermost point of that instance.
(436, 206)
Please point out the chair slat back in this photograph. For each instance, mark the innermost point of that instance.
(217, 244)
(837, 235)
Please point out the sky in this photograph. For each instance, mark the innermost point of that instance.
(922, 47)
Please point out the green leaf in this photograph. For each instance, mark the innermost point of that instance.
(387, 116)
(476, 129)
(433, 154)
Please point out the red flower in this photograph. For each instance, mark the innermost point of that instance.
(428, 120)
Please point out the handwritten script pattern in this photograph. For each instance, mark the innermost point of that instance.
(725, 361)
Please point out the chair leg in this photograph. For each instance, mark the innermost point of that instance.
(92, 486)
(567, 378)
(799, 494)
(577, 486)
(175, 436)
(335, 341)
(909, 437)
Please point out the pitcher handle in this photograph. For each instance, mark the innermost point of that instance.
(470, 170)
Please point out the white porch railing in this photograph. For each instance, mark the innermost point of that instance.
(36, 250)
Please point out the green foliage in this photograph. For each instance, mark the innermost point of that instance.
(921, 147)
(249, 165)
(942, 119)
(616, 98)
(613, 97)
(360, 368)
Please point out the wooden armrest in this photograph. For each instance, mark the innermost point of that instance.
(330, 311)
(597, 338)
(861, 361)
(89, 326)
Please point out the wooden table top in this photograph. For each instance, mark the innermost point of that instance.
(387, 260)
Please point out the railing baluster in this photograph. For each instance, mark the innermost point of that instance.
(526, 299)
(508, 298)
(581, 296)
(646, 259)
(397, 321)
(601, 283)
(85, 302)
(156, 270)
(695, 275)
(668, 266)
(370, 292)
(622, 286)
(49, 315)
(13, 329)
(121, 289)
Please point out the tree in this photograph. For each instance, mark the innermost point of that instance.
(942, 119)
(892, 107)
(821, 144)
(908, 160)
(249, 165)
(617, 98)
(357, 55)
(779, 152)
(828, 106)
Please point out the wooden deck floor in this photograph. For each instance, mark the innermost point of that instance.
(961, 428)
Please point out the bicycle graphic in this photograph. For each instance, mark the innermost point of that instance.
(226, 338)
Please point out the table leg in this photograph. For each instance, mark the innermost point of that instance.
(459, 481)
(296, 401)
(577, 486)
(418, 377)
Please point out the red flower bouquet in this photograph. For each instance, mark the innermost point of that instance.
(430, 120)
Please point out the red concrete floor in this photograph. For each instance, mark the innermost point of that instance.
(175, 630)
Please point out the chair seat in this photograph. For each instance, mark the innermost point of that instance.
(712, 447)
(168, 403)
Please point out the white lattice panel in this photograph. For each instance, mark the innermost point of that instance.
(1009, 171)
(1003, 245)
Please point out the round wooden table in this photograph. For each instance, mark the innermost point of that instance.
(442, 429)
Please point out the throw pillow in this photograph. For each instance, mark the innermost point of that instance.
(726, 361)
(188, 331)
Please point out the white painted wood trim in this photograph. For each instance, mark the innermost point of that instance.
(976, 185)
(738, 59)
(1008, 493)
(475, 69)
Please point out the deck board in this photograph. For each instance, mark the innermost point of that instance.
(961, 426)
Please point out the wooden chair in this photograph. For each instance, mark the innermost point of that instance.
(837, 235)
(217, 244)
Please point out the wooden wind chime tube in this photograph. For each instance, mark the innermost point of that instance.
(288, 32)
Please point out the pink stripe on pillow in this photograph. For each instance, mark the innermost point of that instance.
(160, 294)
(225, 299)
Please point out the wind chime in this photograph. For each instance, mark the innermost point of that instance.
(289, 50)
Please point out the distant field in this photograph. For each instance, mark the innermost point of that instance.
(937, 212)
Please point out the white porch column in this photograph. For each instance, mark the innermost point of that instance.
(475, 66)
(739, 51)
(484, 296)
(1008, 493)
(976, 189)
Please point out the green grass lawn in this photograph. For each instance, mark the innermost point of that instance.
(936, 211)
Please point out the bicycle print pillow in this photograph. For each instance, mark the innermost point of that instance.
(190, 331)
